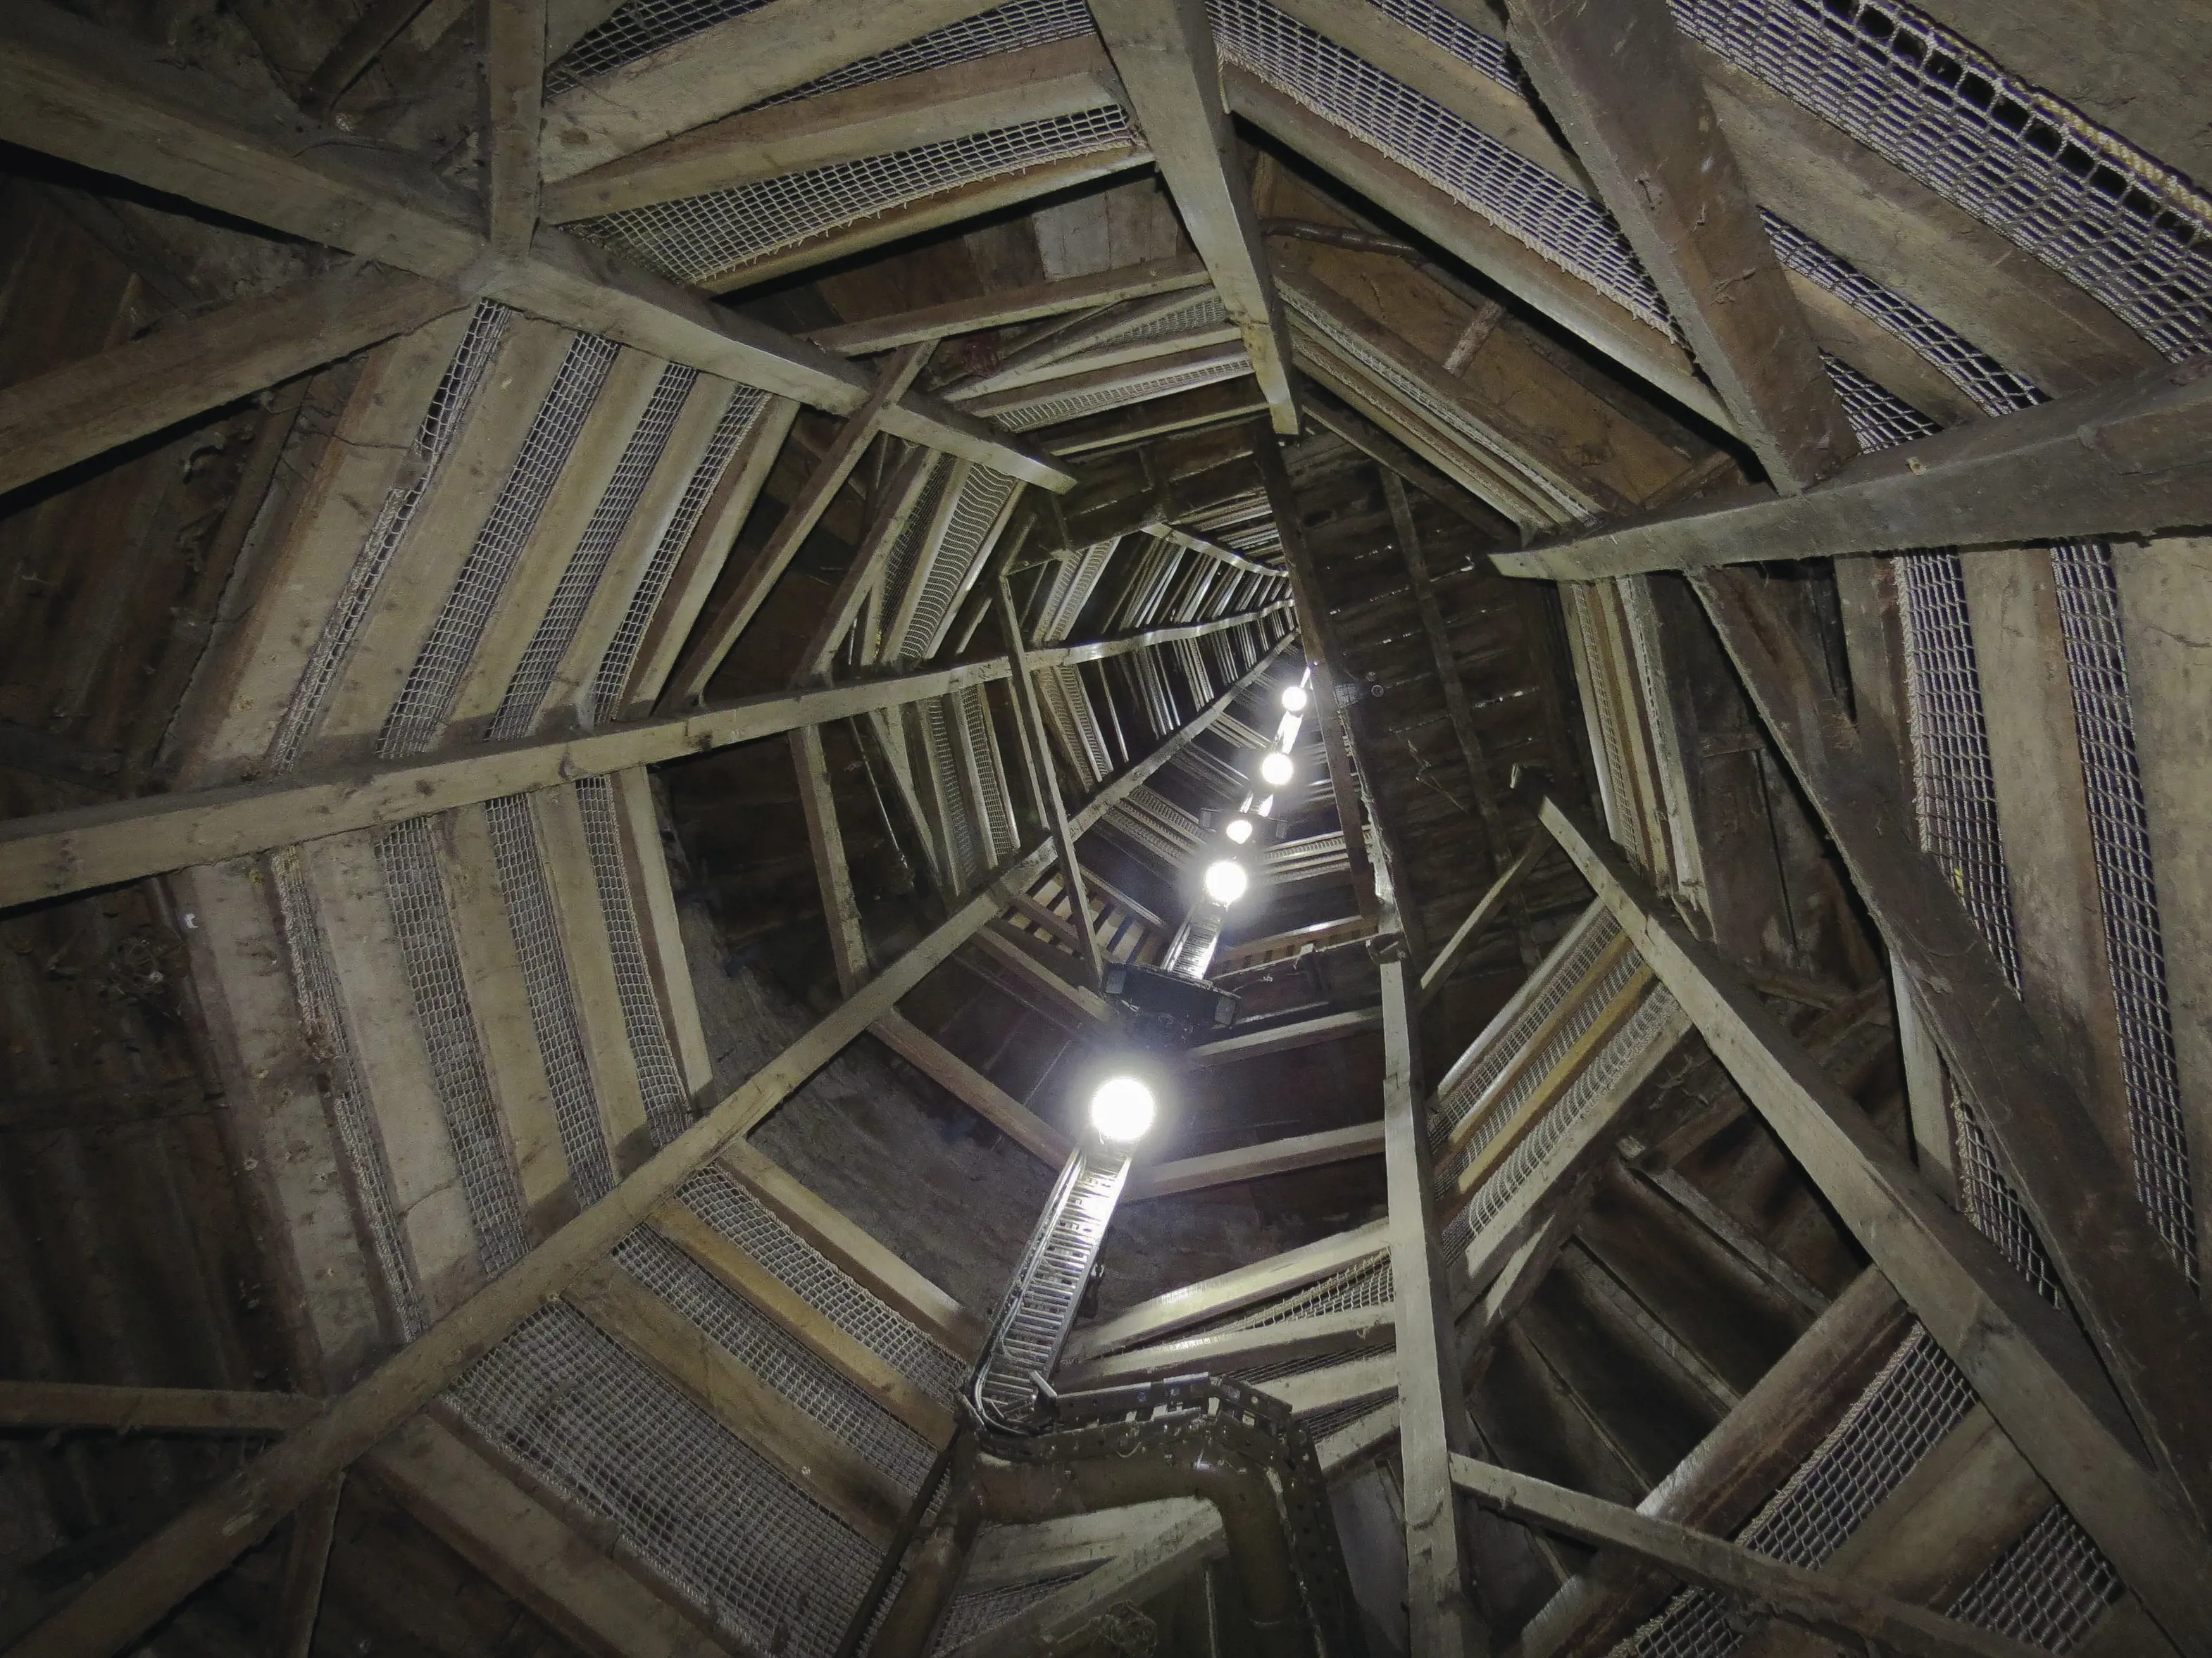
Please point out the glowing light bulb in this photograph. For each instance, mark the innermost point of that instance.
(1276, 768)
(1121, 1109)
(1294, 700)
(1239, 830)
(1225, 881)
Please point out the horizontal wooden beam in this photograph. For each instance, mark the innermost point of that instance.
(1823, 1605)
(1163, 1180)
(152, 1409)
(2131, 459)
(185, 368)
(1362, 1329)
(94, 97)
(53, 854)
(1211, 404)
(1018, 305)
(965, 1083)
(1284, 1038)
(134, 1594)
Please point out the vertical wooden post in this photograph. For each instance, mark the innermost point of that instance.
(512, 35)
(849, 945)
(306, 1558)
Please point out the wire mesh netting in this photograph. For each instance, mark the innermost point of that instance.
(1159, 383)
(972, 1614)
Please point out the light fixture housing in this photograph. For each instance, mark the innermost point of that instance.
(1276, 768)
(1238, 829)
(1121, 1109)
(1226, 880)
(1294, 699)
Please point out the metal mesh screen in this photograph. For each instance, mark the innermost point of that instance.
(685, 1493)
(637, 28)
(1137, 388)
(564, 612)
(1005, 28)
(746, 406)
(735, 1213)
(702, 237)
(1489, 1053)
(953, 565)
(434, 438)
(322, 1018)
(971, 1615)
(667, 1102)
(2048, 1589)
(427, 699)
(1364, 1284)
(424, 927)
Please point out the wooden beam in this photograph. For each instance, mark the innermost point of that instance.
(1164, 51)
(2024, 1358)
(306, 1557)
(1202, 406)
(2131, 459)
(865, 572)
(1336, 415)
(1134, 380)
(1246, 1162)
(2139, 1309)
(957, 1077)
(1019, 305)
(134, 1595)
(849, 944)
(1044, 777)
(878, 117)
(1228, 1293)
(1485, 911)
(85, 408)
(715, 639)
(1284, 1038)
(380, 24)
(1362, 1329)
(1572, 303)
(1054, 345)
(1806, 1599)
(732, 65)
(529, 1550)
(512, 35)
(91, 96)
(1432, 1421)
(152, 1409)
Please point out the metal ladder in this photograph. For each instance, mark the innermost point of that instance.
(1033, 1321)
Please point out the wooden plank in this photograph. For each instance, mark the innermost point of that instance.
(512, 35)
(2139, 1310)
(1432, 1421)
(152, 1409)
(1284, 1038)
(1012, 305)
(379, 25)
(865, 575)
(1038, 356)
(822, 1337)
(1133, 380)
(845, 1246)
(1485, 910)
(1734, 1469)
(1228, 1293)
(833, 876)
(2025, 1359)
(1378, 446)
(97, 98)
(1256, 1162)
(2127, 460)
(793, 1442)
(306, 1557)
(83, 409)
(1809, 1599)
(662, 933)
(1203, 406)
(1515, 267)
(719, 635)
(732, 65)
(1165, 52)
(528, 1549)
(956, 1077)
(1108, 367)
(878, 117)
(1363, 1329)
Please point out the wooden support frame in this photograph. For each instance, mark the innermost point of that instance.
(2145, 1321)
(1809, 1600)
(990, 1102)
(1486, 910)
(1329, 1145)
(91, 96)
(512, 35)
(126, 1410)
(1359, 1330)
(1020, 305)
(84, 408)
(2025, 1359)
(1621, 84)
(306, 1558)
(134, 1594)
(1284, 1038)
(1432, 1423)
(1163, 50)
(1334, 414)
(862, 581)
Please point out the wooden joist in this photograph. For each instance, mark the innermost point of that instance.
(1486, 910)
(1362, 1329)
(1019, 305)
(88, 96)
(2026, 1358)
(957, 1077)
(512, 36)
(1284, 1038)
(2131, 459)
(1246, 1162)
(83, 409)
(1163, 50)
(1806, 1599)
(152, 1409)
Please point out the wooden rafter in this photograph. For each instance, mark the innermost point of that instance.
(96, 98)
(513, 37)
(1164, 51)
(1018, 305)
(1315, 1150)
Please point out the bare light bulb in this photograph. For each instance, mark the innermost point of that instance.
(1225, 881)
(1294, 699)
(1239, 830)
(1276, 768)
(1121, 1109)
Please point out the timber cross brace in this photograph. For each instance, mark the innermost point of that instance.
(658, 653)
